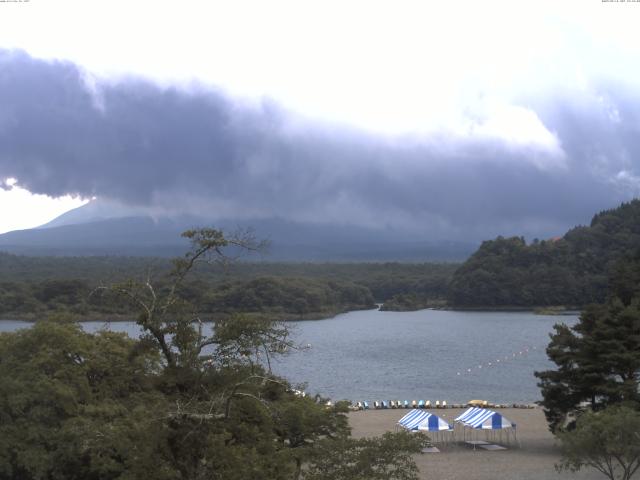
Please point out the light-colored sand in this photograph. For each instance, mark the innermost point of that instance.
(534, 459)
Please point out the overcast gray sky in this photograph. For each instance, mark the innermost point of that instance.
(451, 123)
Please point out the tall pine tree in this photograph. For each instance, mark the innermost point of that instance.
(598, 359)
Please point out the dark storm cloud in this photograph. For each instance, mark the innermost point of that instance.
(198, 150)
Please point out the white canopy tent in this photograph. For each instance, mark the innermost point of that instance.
(492, 423)
(423, 421)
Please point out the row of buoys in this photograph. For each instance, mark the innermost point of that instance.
(498, 361)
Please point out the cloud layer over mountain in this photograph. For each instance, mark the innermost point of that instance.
(534, 167)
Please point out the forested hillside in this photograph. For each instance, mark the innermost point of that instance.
(571, 271)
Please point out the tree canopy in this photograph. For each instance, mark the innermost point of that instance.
(598, 359)
(608, 441)
(598, 362)
(33, 288)
(592, 399)
(181, 402)
(572, 270)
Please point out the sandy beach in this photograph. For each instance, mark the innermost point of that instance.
(534, 459)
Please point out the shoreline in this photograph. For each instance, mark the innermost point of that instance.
(536, 309)
(114, 318)
(313, 316)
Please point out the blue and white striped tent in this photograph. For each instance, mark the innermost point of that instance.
(468, 413)
(482, 419)
(424, 421)
(485, 419)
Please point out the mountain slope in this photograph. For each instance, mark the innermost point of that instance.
(95, 230)
(572, 270)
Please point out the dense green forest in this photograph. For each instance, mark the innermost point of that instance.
(175, 403)
(571, 271)
(36, 287)
(280, 298)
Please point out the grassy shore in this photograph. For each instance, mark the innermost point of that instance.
(534, 459)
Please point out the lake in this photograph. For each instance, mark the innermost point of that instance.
(429, 354)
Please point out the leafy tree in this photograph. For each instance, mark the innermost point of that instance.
(301, 426)
(608, 441)
(72, 405)
(180, 402)
(381, 458)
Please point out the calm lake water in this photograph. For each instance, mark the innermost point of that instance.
(429, 354)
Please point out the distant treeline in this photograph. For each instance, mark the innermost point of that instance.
(37, 287)
(573, 270)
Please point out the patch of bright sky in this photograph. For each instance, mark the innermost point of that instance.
(389, 67)
(21, 209)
